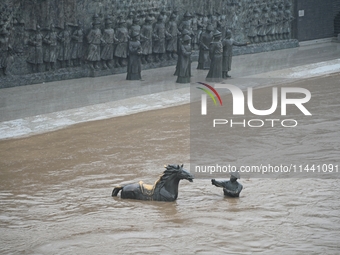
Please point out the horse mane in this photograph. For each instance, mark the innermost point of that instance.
(169, 170)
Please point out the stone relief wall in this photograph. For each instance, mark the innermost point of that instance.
(45, 40)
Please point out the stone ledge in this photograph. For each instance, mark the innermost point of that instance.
(267, 46)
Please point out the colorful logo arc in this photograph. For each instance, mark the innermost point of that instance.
(211, 94)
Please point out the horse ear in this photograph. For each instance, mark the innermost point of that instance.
(182, 166)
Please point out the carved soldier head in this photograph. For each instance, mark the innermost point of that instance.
(160, 19)
(108, 22)
(122, 22)
(186, 39)
(135, 36)
(3, 31)
(234, 176)
(96, 21)
(148, 20)
(210, 28)
(173, 17)
(228, 34)
(136, 21)
(217, 35)
(187, 15)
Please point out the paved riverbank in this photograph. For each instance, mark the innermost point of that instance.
(40, 108)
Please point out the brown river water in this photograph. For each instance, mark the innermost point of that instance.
(55, 194)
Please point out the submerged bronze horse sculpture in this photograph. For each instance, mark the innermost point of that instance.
(164, 189)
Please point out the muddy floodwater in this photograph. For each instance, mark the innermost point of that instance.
(55, 194)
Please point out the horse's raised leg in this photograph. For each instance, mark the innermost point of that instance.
(116, 190)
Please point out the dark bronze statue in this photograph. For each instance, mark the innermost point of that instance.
(231, 188)
(204, 42)
(215, 54)
(228, 43)
(134, 66)
(184, 61)
(164, 189)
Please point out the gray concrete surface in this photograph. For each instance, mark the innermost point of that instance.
(39, 108)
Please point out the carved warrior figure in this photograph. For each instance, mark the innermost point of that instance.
(228, 43)
(77, 50)
(204, 42)
(141, 16)
(50, 49)
(287, 21)
(35, 55)
(129, 19)
(200, 27)
(194, 27)
(108, 41)
(263, 26)
(179, 45)
(280, 17)
(135, 27)
(187, 24)
(134, 66)
(5, 50)
(215, 54)
(159, 34)
(222, 24)
(123, 37)
(19, 37)
(231, 188)
(171, 44)
(184, 61)
(146, 40)
(94, 39)
(272, 26)
(65, 46)
(253, 26)
(163, 15)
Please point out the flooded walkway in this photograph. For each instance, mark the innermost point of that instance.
(55, 191)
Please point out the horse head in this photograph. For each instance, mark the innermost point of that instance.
(179, 171)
